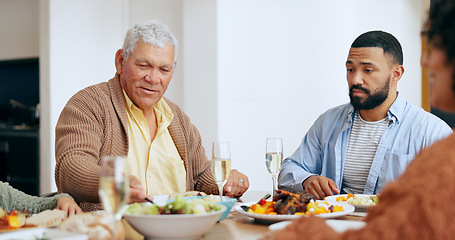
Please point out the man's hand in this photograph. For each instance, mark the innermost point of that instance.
(236, 185)
(68, 205)
(320, 186)
(137, 193)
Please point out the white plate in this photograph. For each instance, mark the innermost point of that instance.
(337, 225)
(42, 233)
(358, 207)
(343, 225)
(347, 209)
(279, 225)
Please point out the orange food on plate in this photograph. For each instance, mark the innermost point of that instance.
(266, 208)
(312, 208)
(350, 195)
(290, 203)
(13, 221)
(338, 199)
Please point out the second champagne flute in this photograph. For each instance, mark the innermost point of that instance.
(221, 163)
(274, 158)
(114, 186)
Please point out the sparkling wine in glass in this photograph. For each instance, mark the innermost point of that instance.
(221, 163)
(274, 158)
(114, 185)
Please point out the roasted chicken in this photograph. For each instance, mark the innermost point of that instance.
(289, 203)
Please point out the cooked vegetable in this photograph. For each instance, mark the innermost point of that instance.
(368, 200)
(290, 203)
(13, 219)
(349, 196)
(375, 199)
(179, 206)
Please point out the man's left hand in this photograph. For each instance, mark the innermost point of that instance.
(236, 185)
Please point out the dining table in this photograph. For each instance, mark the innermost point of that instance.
(240, 227)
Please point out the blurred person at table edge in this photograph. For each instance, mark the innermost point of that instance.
(361, 146)
(415, 205)
(13, 199)
(128, 116)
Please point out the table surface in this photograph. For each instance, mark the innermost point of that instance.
(240, 227)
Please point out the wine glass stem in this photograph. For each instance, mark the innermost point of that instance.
(115, 226)
(117, 217)
(220, 189)
(274, 184)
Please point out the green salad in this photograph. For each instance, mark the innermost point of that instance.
(179, 206)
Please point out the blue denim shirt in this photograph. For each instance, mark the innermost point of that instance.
(323, 149)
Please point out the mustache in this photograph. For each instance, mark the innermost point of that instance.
(359, 88)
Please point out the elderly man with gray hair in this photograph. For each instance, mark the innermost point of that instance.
(128, 116)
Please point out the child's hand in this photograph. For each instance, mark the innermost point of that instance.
(68, 205)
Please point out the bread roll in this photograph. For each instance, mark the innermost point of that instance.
(47, 218)
(97, 225)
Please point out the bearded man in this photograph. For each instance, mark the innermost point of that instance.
(360, 146)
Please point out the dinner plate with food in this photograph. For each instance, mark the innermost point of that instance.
(361, 202)
(19, 224)
(21, 219)
(287, 206)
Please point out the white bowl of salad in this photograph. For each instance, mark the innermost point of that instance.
(179, 218)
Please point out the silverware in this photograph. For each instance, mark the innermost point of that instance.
(245, 208)
(148, 200)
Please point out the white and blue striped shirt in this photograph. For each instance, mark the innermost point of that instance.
(362, 146)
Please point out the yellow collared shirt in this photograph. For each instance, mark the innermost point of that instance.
(155, 162)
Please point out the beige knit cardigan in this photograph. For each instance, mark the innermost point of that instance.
(94, 124)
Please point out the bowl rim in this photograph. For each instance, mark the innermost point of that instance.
(176, 216)
(224, 198)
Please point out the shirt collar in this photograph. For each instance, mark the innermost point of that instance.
(161, 108)
(395, 112)
(129, 104)
(166, 112)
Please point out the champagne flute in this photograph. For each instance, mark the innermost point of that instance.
(221, 163)
(274, 158)
(114, 186)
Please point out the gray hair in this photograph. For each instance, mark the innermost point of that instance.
(151, 32)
